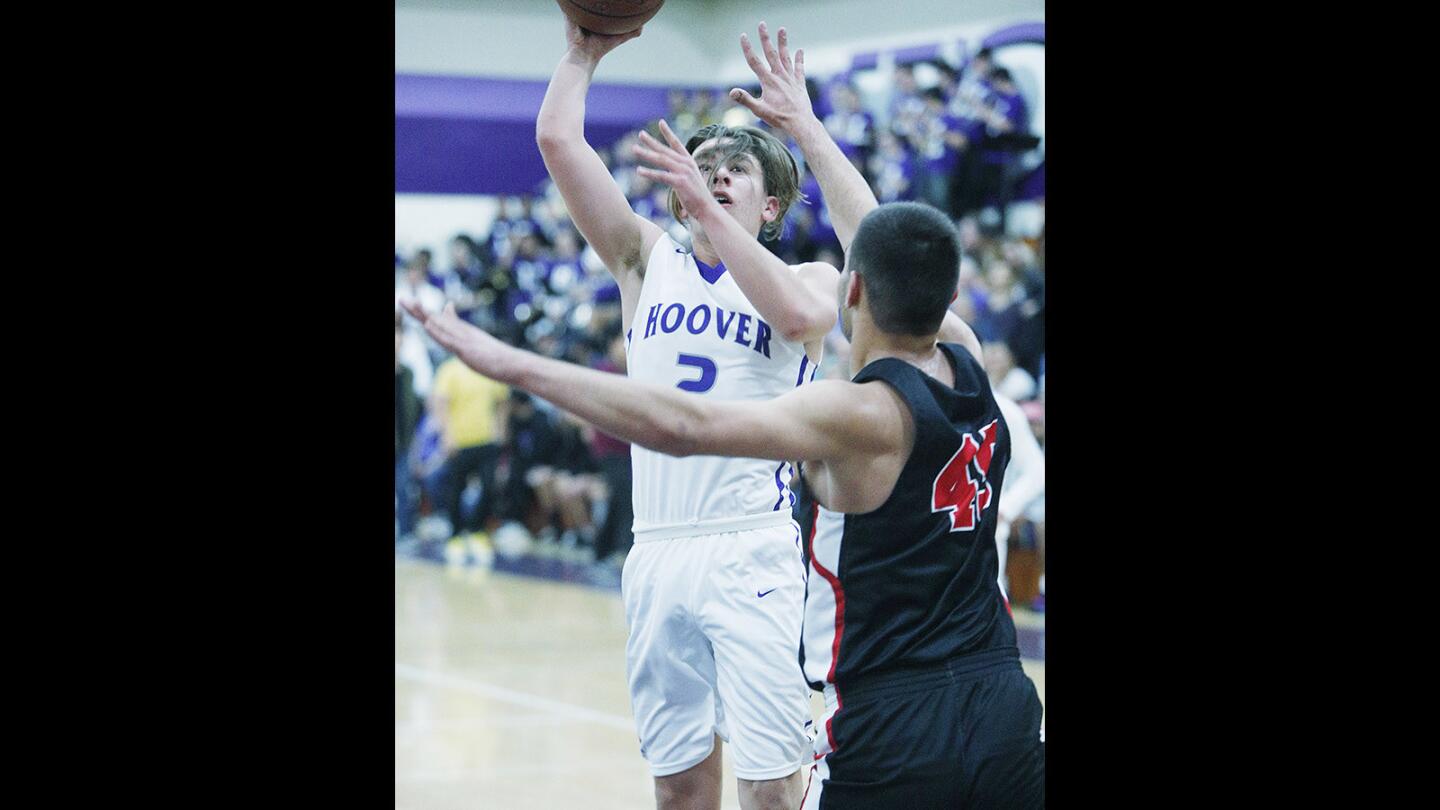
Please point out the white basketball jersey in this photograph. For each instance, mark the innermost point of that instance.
(694, 330)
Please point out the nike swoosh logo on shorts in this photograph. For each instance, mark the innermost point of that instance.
(762, 595)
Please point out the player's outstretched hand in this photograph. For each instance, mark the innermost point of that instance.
(589, 46)
(675, 167)
(476, 349)
(783, 102)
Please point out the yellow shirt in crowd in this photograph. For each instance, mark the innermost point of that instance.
(470, 400)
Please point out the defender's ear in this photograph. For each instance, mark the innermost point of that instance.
(852, 290)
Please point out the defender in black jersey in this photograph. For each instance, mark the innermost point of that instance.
(907, 632)
(906, 629)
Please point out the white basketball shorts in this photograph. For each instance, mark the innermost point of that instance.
(714, 649)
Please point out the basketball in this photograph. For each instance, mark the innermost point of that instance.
(610, 16)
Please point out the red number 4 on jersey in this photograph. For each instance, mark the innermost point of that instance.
(962, 488)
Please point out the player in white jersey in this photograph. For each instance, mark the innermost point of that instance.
(714, 585)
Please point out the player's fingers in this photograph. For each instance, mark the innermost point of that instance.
(651, 156)
(414, 309)
(670, 136)
(655, 152)
(650, 142)
(744, 99)
(751, 59)
(783, 39)
(771, 55)
(800, 64)
(656, 175)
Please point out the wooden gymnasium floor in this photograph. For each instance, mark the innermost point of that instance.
(510, 692)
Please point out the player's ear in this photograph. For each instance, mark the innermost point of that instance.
(852, 290)
(771, 211)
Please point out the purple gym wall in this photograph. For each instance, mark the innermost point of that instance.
(458, 135)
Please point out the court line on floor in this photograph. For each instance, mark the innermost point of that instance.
(566, 710)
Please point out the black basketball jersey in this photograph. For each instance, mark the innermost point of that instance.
(914, 582)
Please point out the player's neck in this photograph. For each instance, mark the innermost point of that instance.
(917, 350)
(701, 247)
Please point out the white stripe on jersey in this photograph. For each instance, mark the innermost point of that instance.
(695, 330)
(819, 772)
(824, 598)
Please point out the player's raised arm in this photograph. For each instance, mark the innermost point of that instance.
(784, 103)
(596, 204)
(802, 311)
(829, 419)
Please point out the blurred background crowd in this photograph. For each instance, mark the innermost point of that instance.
(480, 467)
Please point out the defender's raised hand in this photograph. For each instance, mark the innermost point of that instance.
(675, 167)
(783, 101)
(475, 348)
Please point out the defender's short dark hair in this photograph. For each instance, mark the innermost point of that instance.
(908, 256)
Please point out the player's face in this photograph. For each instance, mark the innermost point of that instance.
(738, 184)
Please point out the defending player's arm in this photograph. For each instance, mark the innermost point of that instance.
(800, 312)
(784, 103)
(829, 419)
(596, 204)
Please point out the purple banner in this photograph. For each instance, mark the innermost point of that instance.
(460, 135)
(1016, 34)
(916, 53)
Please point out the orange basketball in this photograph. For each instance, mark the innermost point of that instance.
(610, 16)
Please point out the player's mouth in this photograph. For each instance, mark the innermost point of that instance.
(723, 198)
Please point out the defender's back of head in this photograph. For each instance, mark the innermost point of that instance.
(908, 257)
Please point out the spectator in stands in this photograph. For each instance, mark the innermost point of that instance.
(973, 86)
(706, 112)
(415, 285)
(470, 410)
(891, 169)
(566, 488)
(565, 275)
(682, 115)
(532, 440)
(905, 105)
(1006, 117)
(1027, 336)
(407, 418)
(1005, 377)
(418, 350)
(613, 541)
(852, 127)
(425, 259)
(1024, 478)
(938, 140)
(1005, 304)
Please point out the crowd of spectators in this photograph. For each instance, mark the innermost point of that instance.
(531, 280)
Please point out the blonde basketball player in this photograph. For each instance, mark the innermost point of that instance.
(714, 585)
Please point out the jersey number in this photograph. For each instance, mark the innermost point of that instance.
(707, 373)
(962, 488)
